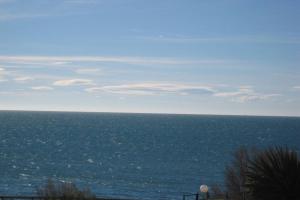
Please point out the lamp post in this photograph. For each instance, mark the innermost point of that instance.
(204, 189)
(243, 190)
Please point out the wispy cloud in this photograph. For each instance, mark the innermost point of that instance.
(15, 92)
(152, 89)
(242, 94)
(3, 73)
(296, 87)
(2, 70)
(88, 71)
(245, 94)
(234, 39)
(42, 88)
(72, 82)
(112, 59)
(14, 16)
(23, 79)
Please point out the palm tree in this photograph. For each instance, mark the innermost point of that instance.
(274, 174)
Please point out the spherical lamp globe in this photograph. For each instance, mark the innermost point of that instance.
(204, 188)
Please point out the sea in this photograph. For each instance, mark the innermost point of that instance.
(132, 156)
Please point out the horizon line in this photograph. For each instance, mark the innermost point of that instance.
(149, 113)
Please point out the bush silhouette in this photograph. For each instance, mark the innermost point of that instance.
(274, 174)
(63, 190)
(235, 174)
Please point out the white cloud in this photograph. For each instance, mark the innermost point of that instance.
(245, 94)
(23, 79)
(71, 82)
(44, 63)
(60, 63)
(42, 88)
(3, 72)
(114, 59)
(16, 92)
(234, 39)
(153, 89)
(241, 95)
(296, 87)
(88, 71)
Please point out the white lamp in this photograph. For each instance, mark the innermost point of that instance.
(204, 188)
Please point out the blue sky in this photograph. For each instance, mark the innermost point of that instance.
(159, 56)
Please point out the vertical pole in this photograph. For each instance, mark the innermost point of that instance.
(197, 196)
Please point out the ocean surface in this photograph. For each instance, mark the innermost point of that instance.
(140, 156)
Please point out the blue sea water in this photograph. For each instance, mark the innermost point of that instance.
(140, 156)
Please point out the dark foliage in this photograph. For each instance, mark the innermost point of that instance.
(235, 175)
(274, 174)
(65, 191)
(216, 192)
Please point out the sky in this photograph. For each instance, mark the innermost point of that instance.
(227, 57)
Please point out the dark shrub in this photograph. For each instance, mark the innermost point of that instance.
(235, 175)
(216, 192)
(63, 190)
(274, 174)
